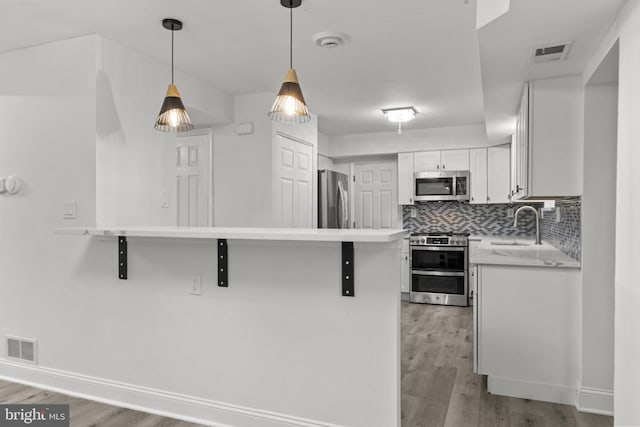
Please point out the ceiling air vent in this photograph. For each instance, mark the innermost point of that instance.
(551, 53)
(21, 349)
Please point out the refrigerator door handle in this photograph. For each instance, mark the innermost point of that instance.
(342, 196)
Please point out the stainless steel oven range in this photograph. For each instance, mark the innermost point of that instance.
(439, 273)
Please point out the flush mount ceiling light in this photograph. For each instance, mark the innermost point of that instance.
(173, 116)
(289, 106)
(399, 115)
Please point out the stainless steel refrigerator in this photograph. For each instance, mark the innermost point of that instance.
(333, 199)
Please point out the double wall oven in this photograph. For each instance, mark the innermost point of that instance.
(439, 272)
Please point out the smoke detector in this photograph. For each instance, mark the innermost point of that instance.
(550, 53)
(330, 39)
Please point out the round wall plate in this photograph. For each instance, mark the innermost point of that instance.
(12, 184)
(290, 4)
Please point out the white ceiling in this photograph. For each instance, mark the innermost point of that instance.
(505, 46)
(402, 52)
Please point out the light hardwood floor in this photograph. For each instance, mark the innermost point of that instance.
(439, 387)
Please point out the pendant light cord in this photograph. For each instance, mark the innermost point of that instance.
(291, 35)
(172, 55)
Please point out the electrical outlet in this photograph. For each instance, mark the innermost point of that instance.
(195, 285)
(69, 209)
(414, 212)
(558, 215)
(510, 213)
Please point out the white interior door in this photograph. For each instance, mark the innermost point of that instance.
(192, 180)
(293, 198)
(376, 195)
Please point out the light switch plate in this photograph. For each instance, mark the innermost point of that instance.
(69, 209)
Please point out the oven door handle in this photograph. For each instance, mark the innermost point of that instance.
(439, 273)
(439, 248)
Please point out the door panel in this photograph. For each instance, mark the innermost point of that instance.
(192, 181)
(376, 195)
(386, 207)
(366, 215)
(293, 196)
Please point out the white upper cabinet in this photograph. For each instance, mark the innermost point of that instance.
(454, 160)
(547, 158)
(499, 174)
(405, 178)
(489, 169)
(426, 161)
(478, 175)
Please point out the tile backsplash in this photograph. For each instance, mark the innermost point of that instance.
(464, 217)
(492, 220)
(566, 235)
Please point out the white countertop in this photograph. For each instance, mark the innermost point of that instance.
(245, 233)
(523, 252)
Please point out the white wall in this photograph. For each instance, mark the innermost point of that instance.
(627, 291)
(243, 164)
(48, 139)
(134, 161)
(324, 162)
(598, 243)
(411, 140)
(323, 144)
(231, 353)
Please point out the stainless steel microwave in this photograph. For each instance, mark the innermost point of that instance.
(437, 185)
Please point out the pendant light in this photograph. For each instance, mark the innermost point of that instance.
(173, 117)
(289, 106)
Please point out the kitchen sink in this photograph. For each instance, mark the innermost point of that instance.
(509, 243)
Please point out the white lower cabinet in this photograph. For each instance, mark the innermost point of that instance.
(526, 330)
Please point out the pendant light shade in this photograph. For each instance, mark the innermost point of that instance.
(173, 117)
(290, 106)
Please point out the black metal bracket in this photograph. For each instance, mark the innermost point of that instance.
(223, 264)
(347, 269)
(122, 258)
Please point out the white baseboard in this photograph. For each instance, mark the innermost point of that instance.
(164, 403)
(531, 390)
(595, 401)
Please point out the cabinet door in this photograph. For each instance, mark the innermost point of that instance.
(426, 161)
(405, 268)
(498, 182)
(522, 147)
(455, 160)
(476, 306)
(405, 178)
(478, 175)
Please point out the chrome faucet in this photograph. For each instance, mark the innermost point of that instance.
(535, 211)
